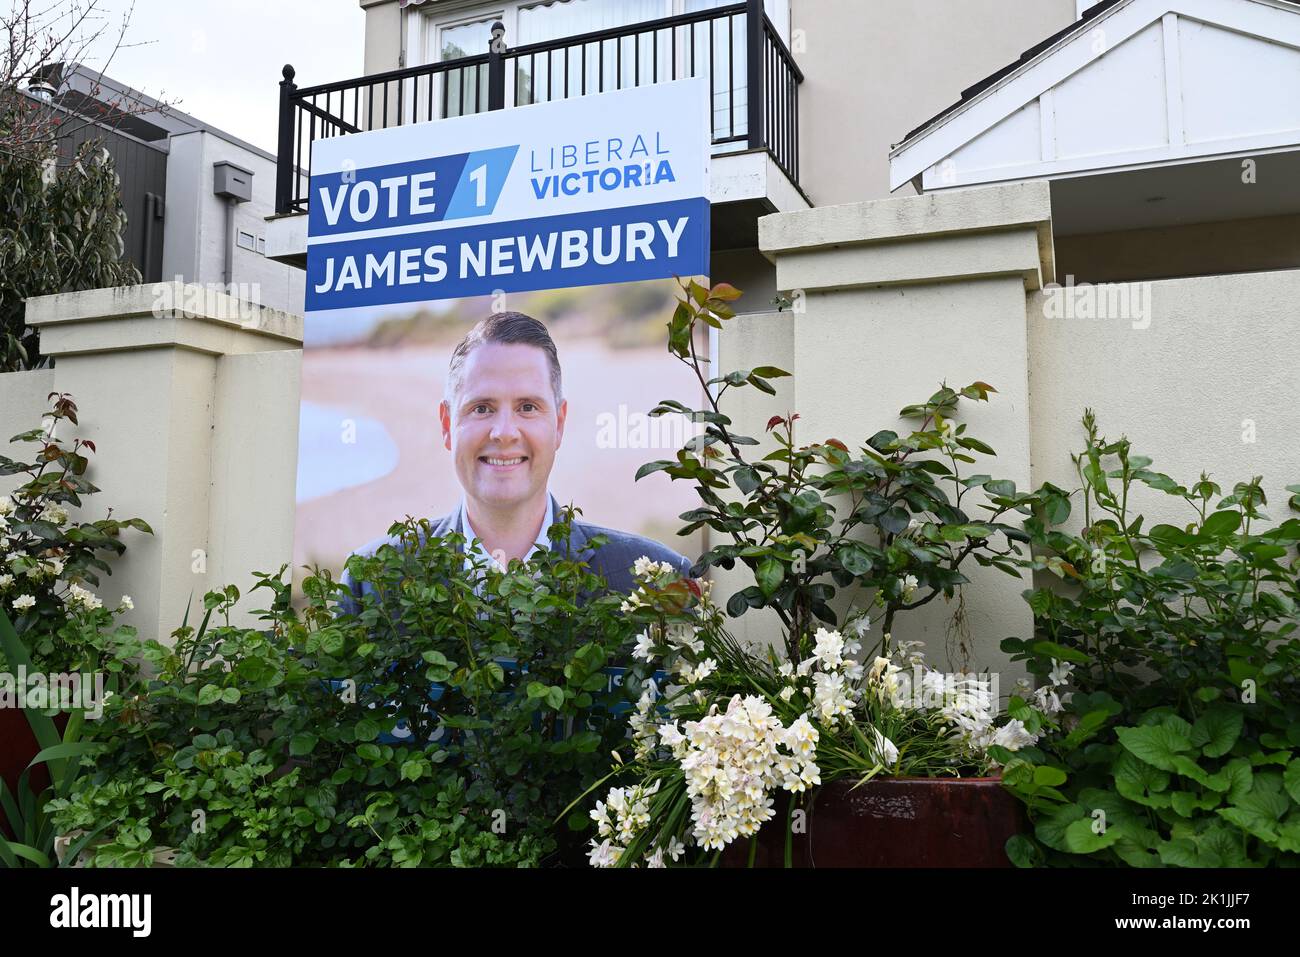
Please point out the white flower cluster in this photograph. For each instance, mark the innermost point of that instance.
(1047, 699)
(82, 598)
(644, 730)
(619, 818)
(733, 760)
(975, 722)
(648, 572)
(828, 680)
(623, 814)
(677, 637)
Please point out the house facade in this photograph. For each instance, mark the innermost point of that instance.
(1089, 206)
(182, 221)
(837, 83)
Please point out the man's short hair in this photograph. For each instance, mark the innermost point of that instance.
(507, 328)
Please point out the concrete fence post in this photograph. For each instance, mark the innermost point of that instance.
(191, 398)
(888, 298)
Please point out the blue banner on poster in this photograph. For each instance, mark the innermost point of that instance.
(597, 189)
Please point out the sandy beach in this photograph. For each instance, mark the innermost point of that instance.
(398, 390)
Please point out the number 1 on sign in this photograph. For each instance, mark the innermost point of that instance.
(479, 178)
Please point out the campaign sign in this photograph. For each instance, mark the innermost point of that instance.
(597, 189)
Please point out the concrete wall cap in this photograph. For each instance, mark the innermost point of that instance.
(1017, 205)
(164, 301)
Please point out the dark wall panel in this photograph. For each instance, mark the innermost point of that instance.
(142, 170)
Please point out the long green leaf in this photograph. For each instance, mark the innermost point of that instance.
(71, 735)
(69, 749)
(77, 846)
(27, 852)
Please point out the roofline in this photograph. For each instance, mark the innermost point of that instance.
(72, 71)
(1029, 60)
(1039, 50)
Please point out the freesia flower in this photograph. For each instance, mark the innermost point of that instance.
(831, 697)
(732, 760)
(828, 648)
(675, 848)
(886, 751)
(604, 854)
(23, 602)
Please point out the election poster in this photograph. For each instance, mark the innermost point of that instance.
(487, 299)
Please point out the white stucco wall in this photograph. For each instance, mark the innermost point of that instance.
(192, 402)
(893, 297)
(1218, 364)
(853, 107)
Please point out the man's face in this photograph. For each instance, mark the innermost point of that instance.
(503, 426)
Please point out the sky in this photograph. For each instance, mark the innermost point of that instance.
(220, 60)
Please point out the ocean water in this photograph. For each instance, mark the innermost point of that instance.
(328, 463)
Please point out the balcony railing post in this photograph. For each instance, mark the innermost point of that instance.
(284, 155)
(496, 66)
(754, 49)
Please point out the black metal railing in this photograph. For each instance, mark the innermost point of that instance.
(753, 86)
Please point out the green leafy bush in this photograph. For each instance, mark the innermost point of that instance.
(1181, 744)
(273, 746)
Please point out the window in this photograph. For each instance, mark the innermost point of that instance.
(466, 89)
(612, 65)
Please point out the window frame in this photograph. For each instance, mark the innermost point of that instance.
(425, 23)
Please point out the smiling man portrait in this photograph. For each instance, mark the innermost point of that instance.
(503, 417)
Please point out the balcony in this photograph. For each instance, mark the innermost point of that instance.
(753, 83)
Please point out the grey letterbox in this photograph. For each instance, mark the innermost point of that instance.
(232, 182)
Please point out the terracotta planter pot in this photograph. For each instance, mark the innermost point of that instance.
(895, 822)
(17, 748)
